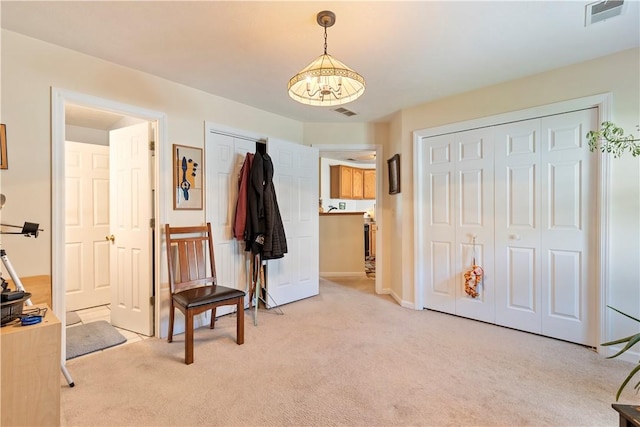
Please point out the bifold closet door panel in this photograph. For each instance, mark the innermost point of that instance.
(517, 225)
(568, 232)
(459, 199)
(224, 156)
(474, 204)
(439, 224)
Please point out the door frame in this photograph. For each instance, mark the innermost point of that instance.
(59, 98)
(604, 103)
(380, 250)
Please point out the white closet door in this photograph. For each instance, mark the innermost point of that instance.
(568, 228)
(517, 225)
(297, 275)
(524, 190)
(439, 224)
(474, 218)
(224, 156)
(459, 195)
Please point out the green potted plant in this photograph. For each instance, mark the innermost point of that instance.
(629, 342)
(611, 139)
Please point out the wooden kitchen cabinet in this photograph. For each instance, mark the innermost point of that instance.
(357, 191)
(341, 182)
(352, 183)
(369, 187)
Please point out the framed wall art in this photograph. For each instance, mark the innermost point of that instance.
(394, 174)
(187, 177)
(4, 164)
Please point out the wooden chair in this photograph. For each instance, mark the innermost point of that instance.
(193, 284)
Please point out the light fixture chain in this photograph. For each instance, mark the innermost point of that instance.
(325, 39)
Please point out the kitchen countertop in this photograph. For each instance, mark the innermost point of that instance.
(334, 213)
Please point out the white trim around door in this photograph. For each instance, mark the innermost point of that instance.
(161, 183)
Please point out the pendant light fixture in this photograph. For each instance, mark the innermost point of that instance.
(326, 81)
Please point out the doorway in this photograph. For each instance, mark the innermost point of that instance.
(344, 152)
(108, 201)
(61, 100)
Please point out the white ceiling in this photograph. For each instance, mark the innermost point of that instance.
(409, 52)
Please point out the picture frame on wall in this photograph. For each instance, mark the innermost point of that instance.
(394, 174)
(4, 164)
(188, 175)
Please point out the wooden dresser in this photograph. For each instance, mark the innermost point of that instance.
(31, 372)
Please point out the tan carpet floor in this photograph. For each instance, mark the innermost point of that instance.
(347, 357)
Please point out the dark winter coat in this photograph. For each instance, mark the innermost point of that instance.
(265, 230)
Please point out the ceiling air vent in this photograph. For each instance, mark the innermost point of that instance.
(345, 112)
(602, 10)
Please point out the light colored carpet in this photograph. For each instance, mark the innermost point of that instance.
(89, 337)
(347, 357)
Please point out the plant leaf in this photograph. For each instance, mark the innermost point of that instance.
(624, 314)
(633, 341)
(624, 383)
(619, 341)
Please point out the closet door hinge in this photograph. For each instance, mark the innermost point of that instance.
(152, 223)
(152, 145)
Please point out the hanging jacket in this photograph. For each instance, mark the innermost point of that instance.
(240, 218)
(264, 230)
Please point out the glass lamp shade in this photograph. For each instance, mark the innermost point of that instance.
(326, 82)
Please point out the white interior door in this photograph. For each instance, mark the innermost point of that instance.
(439, 224)
(297, 275)
(529, 205)
(130, 216)
(474, 237)
(86, 225)
(568, 235)
(459, 194)
(517, 225)
(224, 156)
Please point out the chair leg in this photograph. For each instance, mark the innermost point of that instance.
(240, 321)
(188, 339)
(213, 318)
(171, 313)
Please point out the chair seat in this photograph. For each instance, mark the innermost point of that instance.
(204, 295)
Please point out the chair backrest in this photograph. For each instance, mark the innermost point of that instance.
(190, 256)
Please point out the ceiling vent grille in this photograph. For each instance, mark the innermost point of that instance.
(602, 10)
(345, 112)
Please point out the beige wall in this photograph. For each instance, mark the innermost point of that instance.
(341, 244)
(30, 68)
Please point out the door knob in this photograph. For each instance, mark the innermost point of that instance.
(515, 237)
(111, 237)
